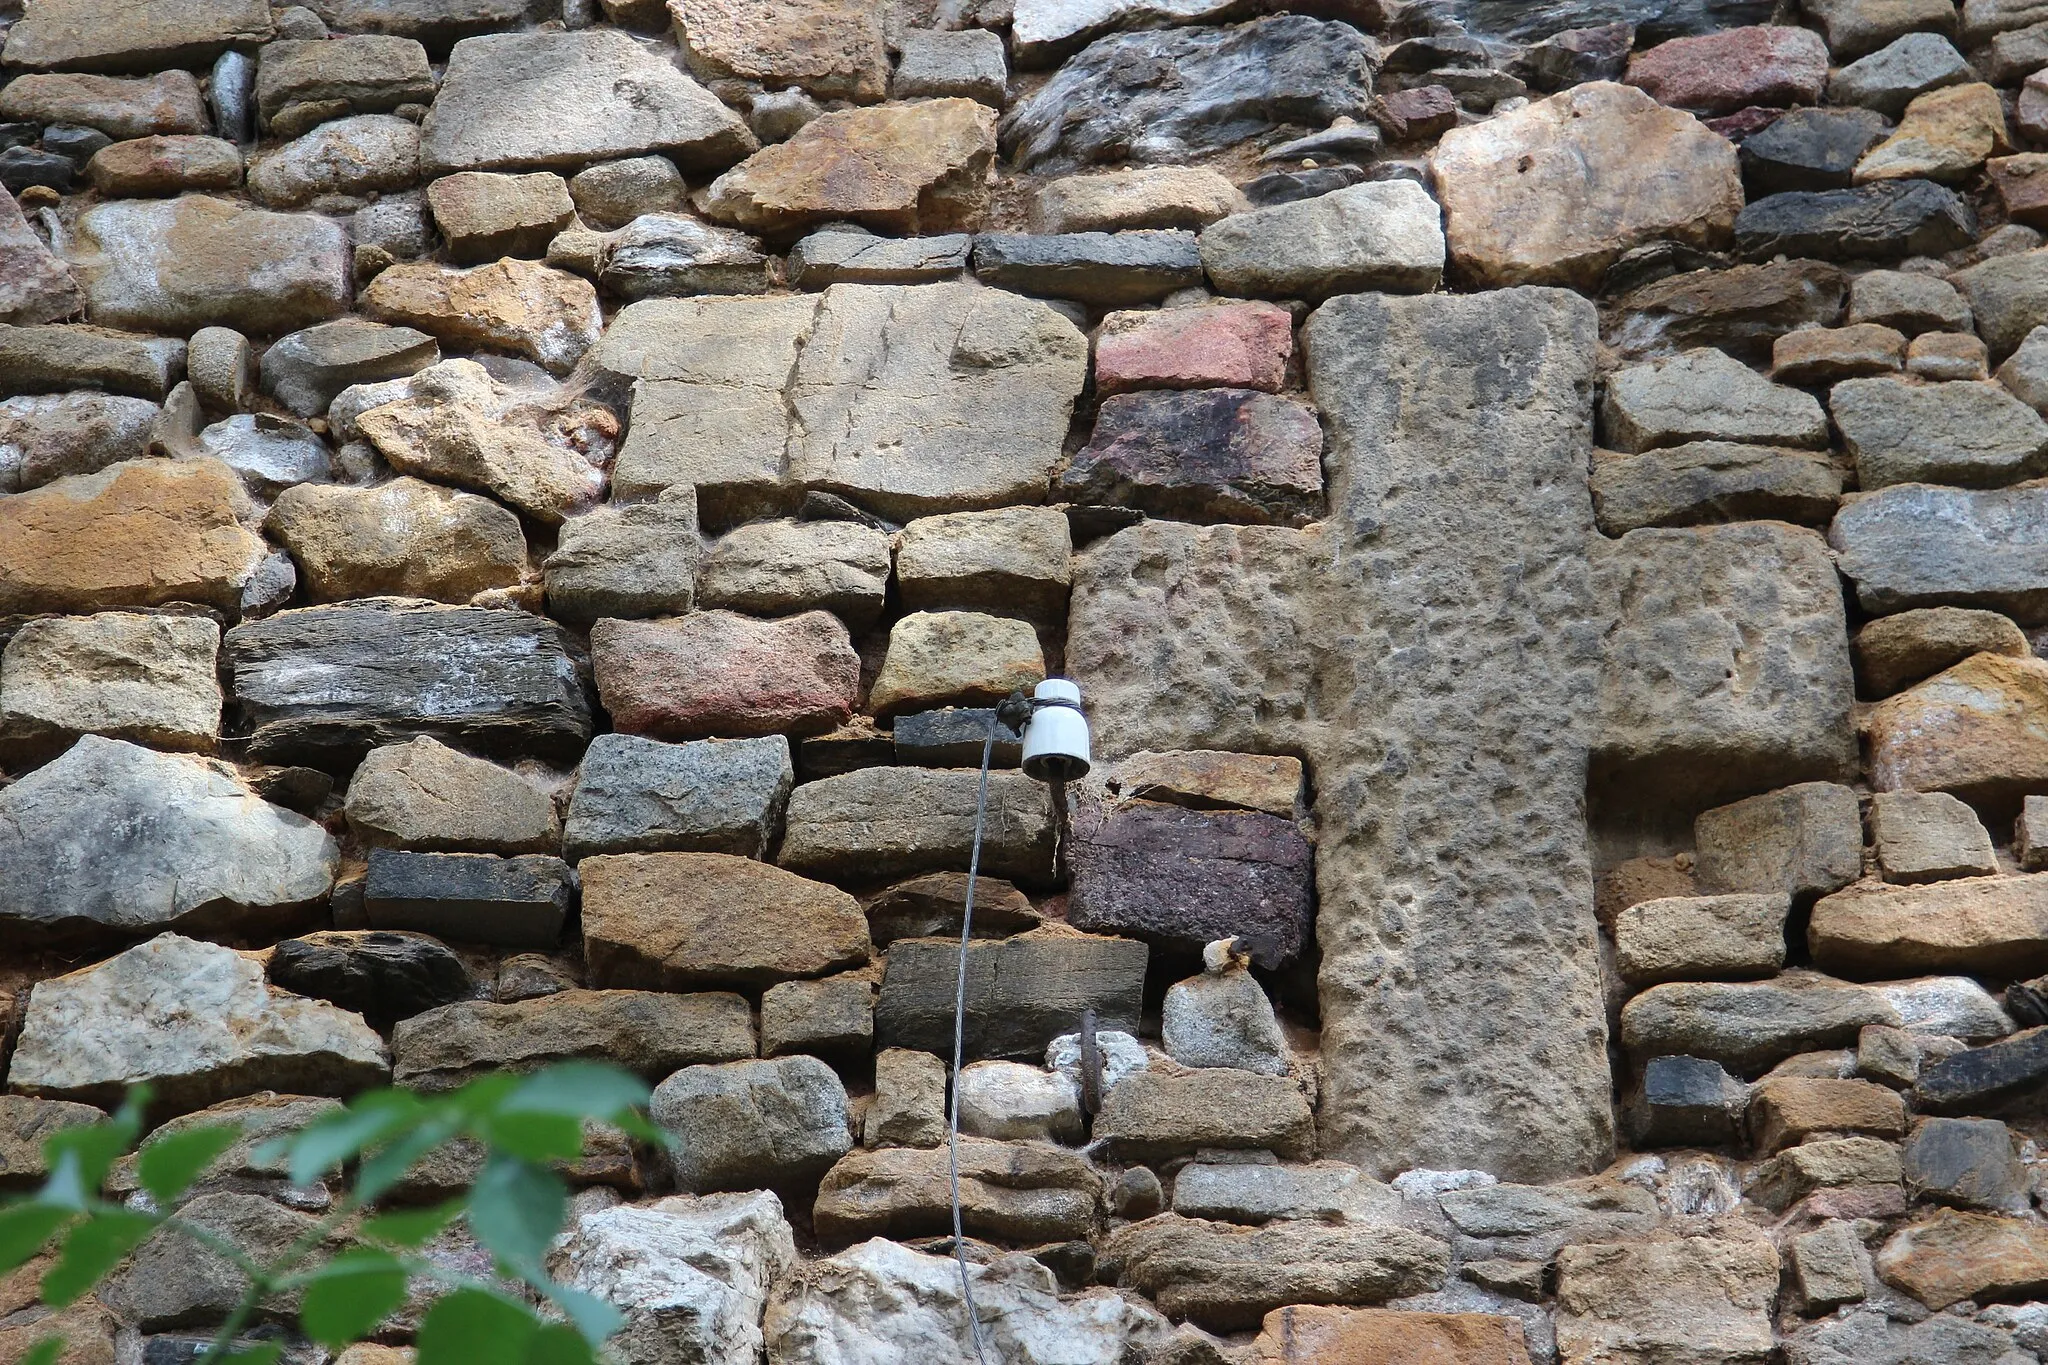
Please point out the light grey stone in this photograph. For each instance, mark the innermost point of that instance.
(1705, 395)
(1917, 545)
(909, 1107)
(662, 254)
(339, 164)
(1239, 1192)
(840, 255)
(425, 795)
(1118, 1054)
(1907, 302)
(1016, 1102)
(1872, 1336)
(116, 839)
(1946, 1006)
(778, 568)
(939, 63)
(194, 1020)
(221, 366)
(834, 1017)
(613, 193)
(306, 370)
(146, 678)
(1380, 236)
(1973, 434)
(1751, 1026)
(1223, 1018)
(626, 560)
(1894, 76)
(744, 1125)
(270, 453)
(1928, 836)
(49, 436)
(638, 795)
(1804, 840)
(2008, 296)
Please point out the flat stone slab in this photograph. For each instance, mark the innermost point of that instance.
(343, 679)
(651, 1033)
(113, 35)
(1879, 222)
(1202, 455)
(639, 795)
(1027, 1192)
(1710, 481)
(1105, 268)
(877, 823)
(1921, 546)
(1022, 992)
(1973, 434)
(1751, 1026)
(517, 902)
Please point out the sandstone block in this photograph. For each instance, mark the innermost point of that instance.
(1856, 1166)
(1022, 992)
(719, 673)
(932, 906)
(953, 657)
(831, 48)
(1380, 236)
(1231, 345)
(121, 107)
(1972, 730)
(1695, 1301)
(896, 822)
(1012, 560)
(672, 253)
(128, 676)
(833, 1018)
(1361, 1336)
(1949, 1255)
(1009, 1191)
(1928, 837)
(626, 559)
(648, 1032)
(548, 316)
(436, 23)
(403, 538)
(1823, 355)
(1921, 546)
(1829, 1266)
(24, 1124)
(1989, 924)
(103, 35)
(298, 83)
(1149, 197)
(937, 64)
(1150, 1119)
(1710, 481)
(1976, 435)
(909, 1107)
(1895, 651)
(35, 287)
(1742, 310)
(49, 436)
(1014, 1102)
(774, 568)
(2008, 296)
(752, 1124)
(167, 164)
(851, 255)
(1701, 938)
(484, 215)
(1944, 135)
(1787, 1110)
(1222, 1018)
(425, 795)
(673, 921)
(636, 795)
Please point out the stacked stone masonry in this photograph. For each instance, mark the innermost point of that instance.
(515, 516)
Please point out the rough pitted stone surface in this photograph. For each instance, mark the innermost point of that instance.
(197, 1022)
(1554, 193)
(674, 921)
(636, 795)
(404, 538)
(124, 675)
(877, 822)
(831, 48)
(955, 658)
(1694, 1301)
(107, 35)
(519, 101)
(1952, 1255)
(1921, 546)
(649, 1032)
(1012, 1191)
(720, 673)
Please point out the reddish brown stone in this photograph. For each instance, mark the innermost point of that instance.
(1416, 115)
(2030, 115)
(1185, 878)
(1744, 123)
(1308, 1335)
(2022, 183)
(1241, 345)
(1790, 1109)
(165, 165)
(1952, 1256)
(720, 673)
(1205, 455)
(1719, 73)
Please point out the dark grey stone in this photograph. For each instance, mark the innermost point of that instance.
(1808, 149)
(1202, 455)
(1969, 1163)
(639, 795)
(1575, 56)
(1022, 992)
(1655, 21)
(1884, 221)
(2011, 1073)
(952, 737)
(518, 902)
(381, 975)
(1917, 545)
(21, 167)
(1710, 481)
(843, 256)
(1165, 96)
(1888, 80)
(1358, 142)
(1686, 1102)
(1107, 268)
(68, 139)
(1291, 187)
(1413, 56)
(304, 371)
(18, 135)
(331, 683)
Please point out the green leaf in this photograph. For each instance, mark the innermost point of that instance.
(476, 1327)
(327, 1143)
(387, 1165)
(168, 1165)
(26, 1228)
(409, 1228)
(78, 1159)
(45, 1352)
(578, 1090)
(536, 1137)
(515, 1209)
(595, 1319)
(350, 1295)
(263, 1353)
(94, 1247)
(556, 1344)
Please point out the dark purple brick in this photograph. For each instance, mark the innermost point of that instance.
(1203, 455)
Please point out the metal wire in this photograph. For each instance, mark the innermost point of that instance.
(988, 749)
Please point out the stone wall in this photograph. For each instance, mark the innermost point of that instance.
(515, 516)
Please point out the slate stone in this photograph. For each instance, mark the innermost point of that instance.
(1183, 879)
(1990, 1079)
(1291, 187)
(1916, 545)
(1742, 310)
(1884, 221)
(1808, 149)
(517, 902)
(1109, 269)
(953, 737)
(1965, 1163)
(1202, 455)
(382, 975)
(1686, 1102)
(112, 839)
(1574, 56)
(1655, 21)
(1022, 992)
(24, 167)
(638, 795)
(328, 682)
(834, 255)
(1888, 80)
(1171, 95)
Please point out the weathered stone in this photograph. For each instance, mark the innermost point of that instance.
(833, 1018)
(1928, 837)
(636, 795)
(1719, 73)
(648, 1032)
(50, 436)
(1968, 1163)
(513, 101)
(271, 454)
(1601, 177)
(753, 1124)
(167, 164)
(54, 359)
(1864, 1169)
(299, 83)
(1382, 236)
(1021, 992)
(939, 64)
(829, 48)
(1686, 1102)
(613, 193)
(1690, 1301)
(1108, 269)
(1976, 435)
(436, 23)
(1909, 303)
(673, 921)
(340, 164)
(1360, 1336)
(659, 254)
(344, 679)
(1208, 780)
(425, 795)
(1014, 1102)
(1015, 1192)
(1874, 1335)
(1978, 924)
(1712, 481)
(381, 975)
(304, 371)
(176, 265)
(1750, 1026)
(954, 657)
(1235, 345)
(35, 287)
(518, 902)
(1823, 355)
(1985, 1079)
(878, 823)
(403, 538)
(1881, 221)
(1972, 730)
(24, 1125)
(1170, 96)
(194, 1020)
(773, 568)
(1915, 546)
(1856, 27)
(1947, 356)
(1787, 1110)
(1701, 938)
(144, 678)
(1222, 1018)
(1148, 1119)
(1228, 1277)
(122, 108)
(880, 1301)
(176, 1280)
(691, 1275)
(548, 316)
(846, 255)
(1888, 80)
(101, 35)
(1893, 652)
(629, 559)
(1829, 1266)
(1945, 135)
(908, 168)
(933, 905)
(1239, 1192)
(1703, 395)
(1809, 149)
(1013, 560)
(719, 673)
(1149, 197)
(909, 1107)
(1203, 455)
(2008, 296)
(1948, 1255)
